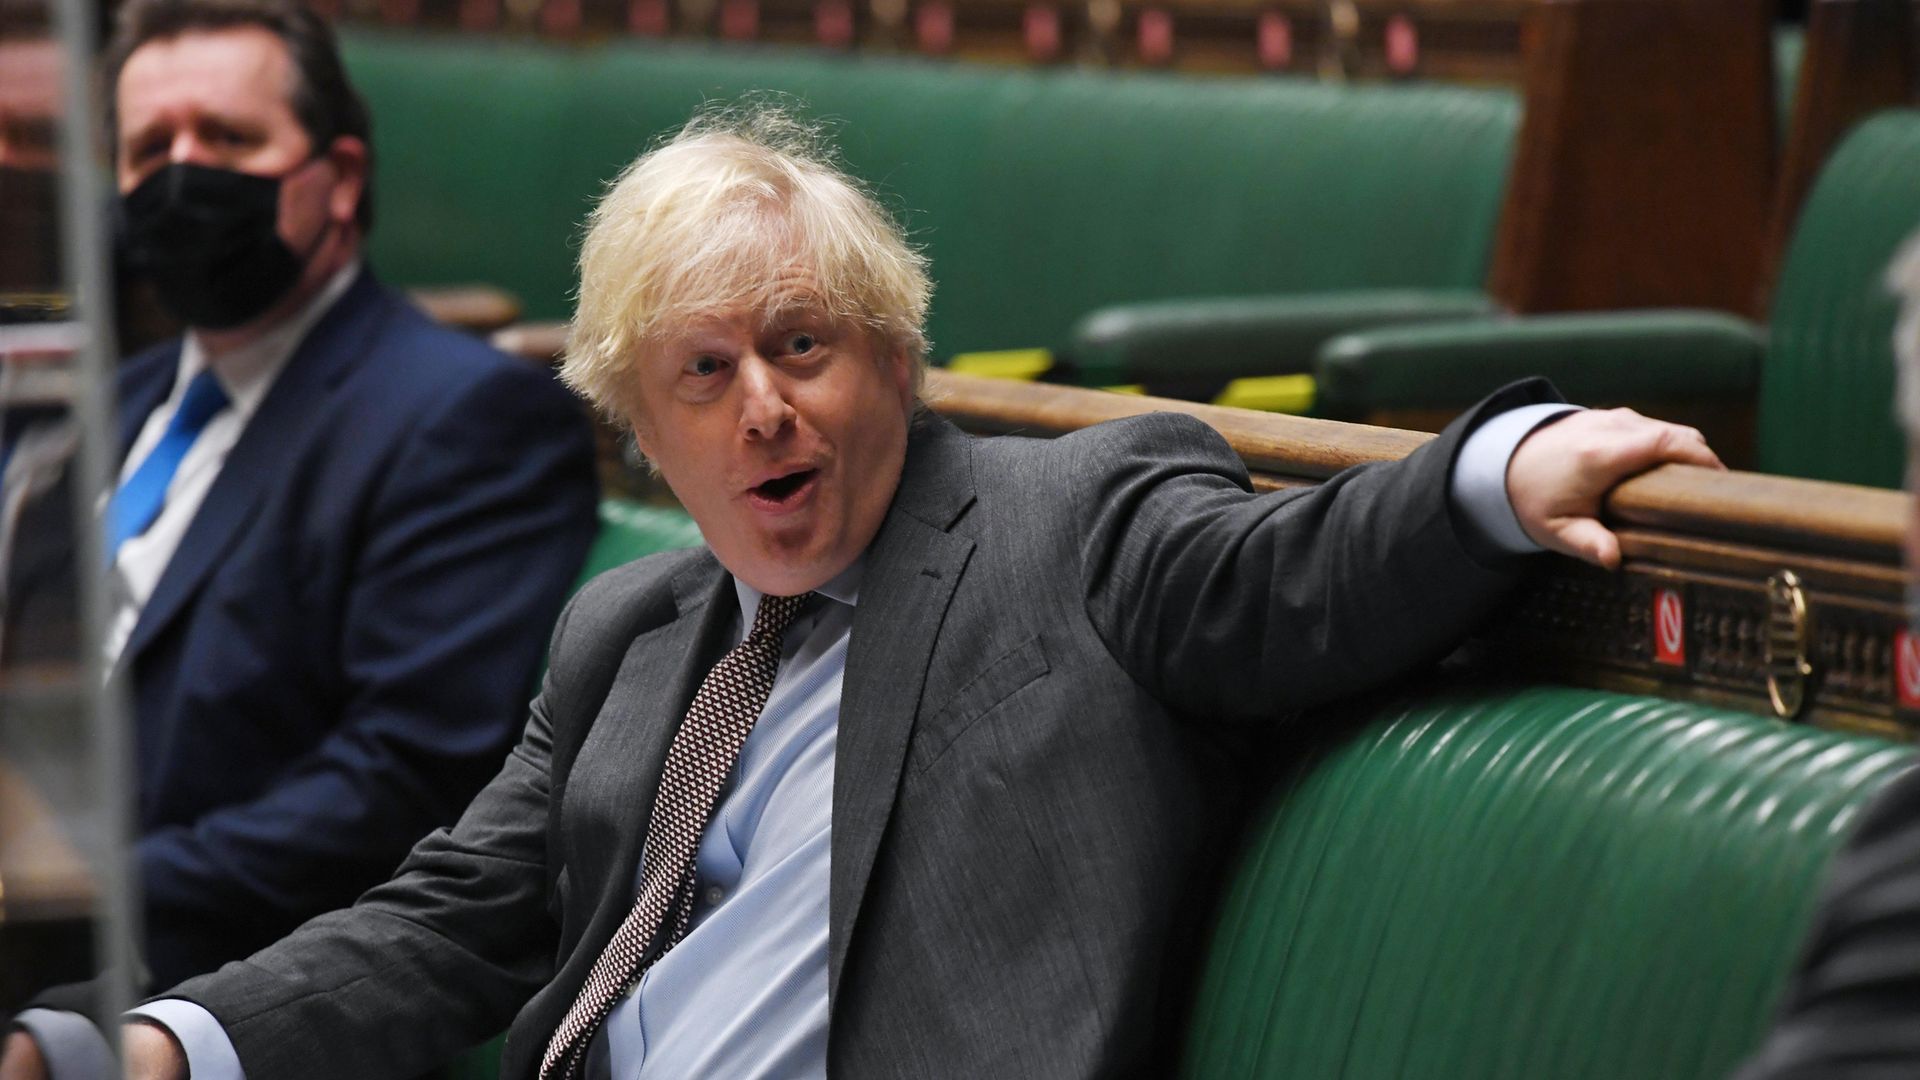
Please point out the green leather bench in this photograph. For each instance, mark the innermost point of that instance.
(1039, 194)
(1519, 882)
(1820, 375)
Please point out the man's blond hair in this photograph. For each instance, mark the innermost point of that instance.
(722, 216)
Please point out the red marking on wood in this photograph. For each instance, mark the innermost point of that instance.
(833, 23)
(648, 17)
(479, 14)
(399, 12)
(560, 16)
(1041, 28)
(1275, 37)
(1156, 36)
(1403, 45)
(1669, 628)
(1906, 669)
(740, 20)
(933, 26)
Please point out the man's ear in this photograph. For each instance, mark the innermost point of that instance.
(638, 430)
(349, 157)
(903, 377)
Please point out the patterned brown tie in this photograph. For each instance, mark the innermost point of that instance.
(698, 762)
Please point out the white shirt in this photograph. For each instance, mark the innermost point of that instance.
(246, 374)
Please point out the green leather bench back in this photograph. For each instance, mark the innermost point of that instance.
(1039, 194)
(1826, 399)
(1528, 883)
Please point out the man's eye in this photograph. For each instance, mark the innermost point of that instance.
(147, 150)
(800, 342)
(704, 365)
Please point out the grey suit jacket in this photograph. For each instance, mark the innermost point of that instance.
(1055, 643)
(1852, 1008)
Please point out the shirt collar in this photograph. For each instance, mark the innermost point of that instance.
(247, 373)
(844, 588)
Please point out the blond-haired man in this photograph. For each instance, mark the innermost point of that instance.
(915, 771)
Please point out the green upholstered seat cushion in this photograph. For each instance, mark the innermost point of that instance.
(1638, 356)
(1039, 194)
(1826, 402)
(1233, 337)
(1528, 883)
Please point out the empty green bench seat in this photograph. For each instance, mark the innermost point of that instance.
(1528, 882)
(1820, 374)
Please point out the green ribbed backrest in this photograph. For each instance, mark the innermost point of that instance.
(1528, 883)
(1826, 397)
(1039, 194)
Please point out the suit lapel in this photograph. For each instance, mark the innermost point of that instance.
(144, 388)
(657, 679)
(261, 456)
(913, 567)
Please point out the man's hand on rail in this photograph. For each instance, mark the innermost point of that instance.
(1561, 472)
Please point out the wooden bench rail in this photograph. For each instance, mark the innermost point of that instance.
(480, 309)
(1860, 522)
(41, 876)
(1779, 595)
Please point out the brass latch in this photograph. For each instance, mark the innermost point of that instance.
(1786, 645)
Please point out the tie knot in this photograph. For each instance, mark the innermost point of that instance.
(204, 398)
(774, 615)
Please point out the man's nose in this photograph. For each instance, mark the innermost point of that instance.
(763, 403)
(189, 149)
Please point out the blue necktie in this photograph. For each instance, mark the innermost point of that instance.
(139, 500)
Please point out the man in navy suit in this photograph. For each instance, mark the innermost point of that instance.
(341, 533)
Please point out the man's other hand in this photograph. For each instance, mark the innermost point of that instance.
(20, 1058)
(152, 1053)
(1560, 473)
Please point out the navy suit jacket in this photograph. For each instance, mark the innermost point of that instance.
(341, 650)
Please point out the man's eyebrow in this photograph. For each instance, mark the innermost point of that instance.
(133, 136)
(807, 304)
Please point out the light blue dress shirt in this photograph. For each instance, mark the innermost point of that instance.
(744, 994)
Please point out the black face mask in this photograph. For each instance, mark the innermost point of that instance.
(208, 239)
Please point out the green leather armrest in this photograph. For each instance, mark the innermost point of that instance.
(1617, 357)
(1228, 338)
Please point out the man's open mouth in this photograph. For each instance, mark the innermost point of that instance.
(781, 488)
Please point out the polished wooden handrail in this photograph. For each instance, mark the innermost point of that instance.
(1809, 515)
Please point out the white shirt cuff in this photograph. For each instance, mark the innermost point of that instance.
(1479, 483)
(210, 1054)
(69, 1043)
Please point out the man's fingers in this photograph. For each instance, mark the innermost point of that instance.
(1586, 539)
(1686, 446)
(20, 1059)
(1646, 444)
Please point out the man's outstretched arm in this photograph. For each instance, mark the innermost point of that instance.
(1236, 605)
